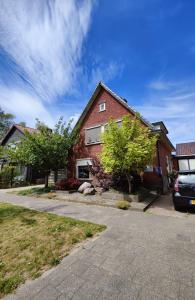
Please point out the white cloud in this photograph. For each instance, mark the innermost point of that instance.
(45, 39)
(175, 106)
(105, 72)
(160, 85)
(24, 106)
(74, 119)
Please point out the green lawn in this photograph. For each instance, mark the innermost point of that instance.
(32, 242)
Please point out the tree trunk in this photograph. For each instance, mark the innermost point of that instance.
(129, 179)
(46, 180)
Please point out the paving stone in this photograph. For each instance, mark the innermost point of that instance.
(48, 293)
(70, 285)
(140, 256)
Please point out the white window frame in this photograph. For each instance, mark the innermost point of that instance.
(83, 162)
(102, 106)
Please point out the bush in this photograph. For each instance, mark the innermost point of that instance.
(7, 176)
(123, 204)
(68, 184)
(102, 179)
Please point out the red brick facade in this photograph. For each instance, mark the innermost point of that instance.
(116, 110)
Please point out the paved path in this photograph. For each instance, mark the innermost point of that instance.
(139, 256)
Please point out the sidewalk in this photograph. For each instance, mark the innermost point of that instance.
(140, 256)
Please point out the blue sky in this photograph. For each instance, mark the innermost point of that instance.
(53, 53)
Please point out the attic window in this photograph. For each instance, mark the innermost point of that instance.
(102, 106)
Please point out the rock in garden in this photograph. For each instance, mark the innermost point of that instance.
(84, 186)
(99, 190)
(89, 191)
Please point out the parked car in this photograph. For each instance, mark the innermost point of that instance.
(184, 190)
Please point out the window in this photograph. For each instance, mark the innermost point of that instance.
(192, 163)
(82, 169)
(92, 135)
(186, 164)
(83, 172)
(183, 164)
(102, 106)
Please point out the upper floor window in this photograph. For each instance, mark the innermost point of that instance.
(92, 135)
(102, 106)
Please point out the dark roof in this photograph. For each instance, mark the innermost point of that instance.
(21, 128)
(185, 149)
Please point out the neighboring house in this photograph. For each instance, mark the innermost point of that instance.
(103, 105)
(12, 138)
(185, 156)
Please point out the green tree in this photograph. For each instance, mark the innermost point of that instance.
(45, 149)
(22, 123)
(6, 120)
(130, 147)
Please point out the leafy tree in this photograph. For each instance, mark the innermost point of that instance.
(45, 149)
(22, 123)
(6, 120)
(130, 147)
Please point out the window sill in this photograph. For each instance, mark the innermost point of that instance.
(85, 179)
(97, 143)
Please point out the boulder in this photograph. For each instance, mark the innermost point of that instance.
(84, 186)
(89, 191)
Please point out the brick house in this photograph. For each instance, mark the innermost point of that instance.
(103, 105)
(184, 159)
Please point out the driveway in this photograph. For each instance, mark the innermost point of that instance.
(139, 256)
(164, 207)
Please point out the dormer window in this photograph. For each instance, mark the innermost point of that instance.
(102, 106)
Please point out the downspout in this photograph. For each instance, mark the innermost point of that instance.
(159, 165)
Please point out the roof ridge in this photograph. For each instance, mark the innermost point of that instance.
(24, 126)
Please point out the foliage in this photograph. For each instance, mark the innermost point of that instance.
(123, 204)
(102, 179)
(22, 123)
(68, 184)
(6, 120)
(34, 191)
(32, 242)
(45, 149)
(172, 176)
(7, 175)
(127, 148)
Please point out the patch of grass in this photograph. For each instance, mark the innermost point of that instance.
(32, 242)
(88, 232)
(34, 191)
(123, 204)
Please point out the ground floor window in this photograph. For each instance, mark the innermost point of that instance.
(82, 169)
(186, 164)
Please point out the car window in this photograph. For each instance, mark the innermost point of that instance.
(187, 178)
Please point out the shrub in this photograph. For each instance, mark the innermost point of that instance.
(102, 179)
(67, 184)
(7, 175)
(60, 184)
(88, 232)
(123, 204)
